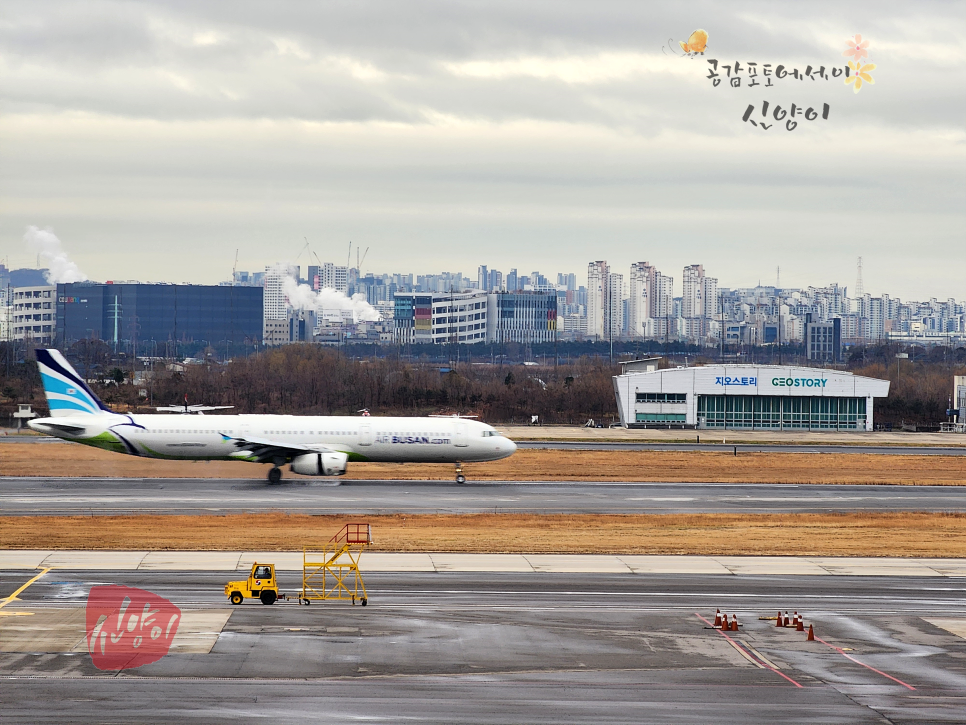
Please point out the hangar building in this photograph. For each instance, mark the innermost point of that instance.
(746, 397)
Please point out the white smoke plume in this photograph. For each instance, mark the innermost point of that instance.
(60, 269)
(303, 297)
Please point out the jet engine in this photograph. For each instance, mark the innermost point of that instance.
(330, 463)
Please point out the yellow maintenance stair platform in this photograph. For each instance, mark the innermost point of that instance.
(333, 572)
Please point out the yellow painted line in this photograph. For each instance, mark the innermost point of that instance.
(744, 654)
(13, 597)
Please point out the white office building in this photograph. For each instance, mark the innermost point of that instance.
(33, 314)
(766, 397)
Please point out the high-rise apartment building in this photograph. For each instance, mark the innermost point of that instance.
(691, 297)
(614, 310)
(334, 277)
(641, 297)
(598, 299)
(662, 307)
(698, 302)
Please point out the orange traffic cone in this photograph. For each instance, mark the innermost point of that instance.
(717, 618)
(800, 627)
(778, 622)
(811, 634)
(787, 621)
(734, 622)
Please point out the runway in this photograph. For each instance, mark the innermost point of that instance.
(504, 648)
(102, 496)
(746, 448)
(565, 445)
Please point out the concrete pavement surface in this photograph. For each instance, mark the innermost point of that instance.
(467, 647)
(77, 496)
(439, 562)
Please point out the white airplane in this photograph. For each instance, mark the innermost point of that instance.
(311, 445)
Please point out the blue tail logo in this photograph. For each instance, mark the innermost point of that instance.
(67, 393)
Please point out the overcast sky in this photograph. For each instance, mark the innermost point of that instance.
(155, 139)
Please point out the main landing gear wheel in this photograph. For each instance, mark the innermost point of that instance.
(275, 475)
(460, 478)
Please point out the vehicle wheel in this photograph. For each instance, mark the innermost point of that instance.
(461, 478)
(275, 475)
(236, 598)
(267, 597)
(364, 600)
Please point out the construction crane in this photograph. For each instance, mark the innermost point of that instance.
(302, 250)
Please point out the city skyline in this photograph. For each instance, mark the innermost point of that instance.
(168, 136)
(780, 276)
(297, 307)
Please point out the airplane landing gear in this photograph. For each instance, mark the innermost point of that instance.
(275, 475)
(460, 478)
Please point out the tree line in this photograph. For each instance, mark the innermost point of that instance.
(314, 380)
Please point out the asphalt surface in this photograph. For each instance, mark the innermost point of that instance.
(77, 496)
(745, 448)
(510, 648)
(903, 450)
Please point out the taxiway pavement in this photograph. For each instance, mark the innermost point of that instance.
(77, 496)
(745, 448)
(472, 647)
(930, 448)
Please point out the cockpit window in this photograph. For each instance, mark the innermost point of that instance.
(490, 433)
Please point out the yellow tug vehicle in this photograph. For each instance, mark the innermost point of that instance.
(259, 585)
(332, 573)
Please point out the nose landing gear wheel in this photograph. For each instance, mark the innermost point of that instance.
(460, 478)
(275, 475)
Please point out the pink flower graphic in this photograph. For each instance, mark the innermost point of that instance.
(859, 74)
(856, 48)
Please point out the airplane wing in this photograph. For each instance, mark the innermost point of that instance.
(266, 451)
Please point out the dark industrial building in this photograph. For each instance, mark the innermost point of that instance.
(157, 319)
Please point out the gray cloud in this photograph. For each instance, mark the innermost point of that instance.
(453, 134)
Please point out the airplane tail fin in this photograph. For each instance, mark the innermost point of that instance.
(66, 391)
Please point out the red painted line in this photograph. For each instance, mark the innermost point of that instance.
(868, 667)
(743, 649)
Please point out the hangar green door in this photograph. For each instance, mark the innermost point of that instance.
(779, 412)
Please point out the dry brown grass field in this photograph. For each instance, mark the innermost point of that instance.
(887, 534)
(58, 460)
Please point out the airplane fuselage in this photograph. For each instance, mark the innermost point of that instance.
(212, 437)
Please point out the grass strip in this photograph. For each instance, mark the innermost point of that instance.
(939, 535)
